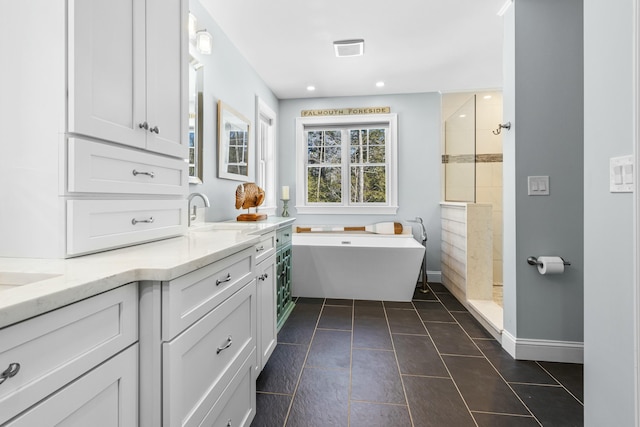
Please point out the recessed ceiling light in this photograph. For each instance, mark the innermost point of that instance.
(487, 97)
(311, 88)
(462, 116)
(380, 84)
(345, 48)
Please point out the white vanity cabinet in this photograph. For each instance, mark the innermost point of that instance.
(267, 294)
(93, 115)
(125, 75)
(74, 366)
(198, 345)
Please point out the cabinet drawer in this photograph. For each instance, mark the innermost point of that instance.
(57, 347)
(106, 396)
(94, 225)
(237, 405)
(200, 363)
(266, 247)
(189, 297)
(100, 168)
(283, 237)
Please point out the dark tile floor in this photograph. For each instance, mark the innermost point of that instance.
(421, 363)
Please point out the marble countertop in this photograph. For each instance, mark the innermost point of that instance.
(64, 281)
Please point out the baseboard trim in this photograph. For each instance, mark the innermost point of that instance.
(543, 350)
(434, 276)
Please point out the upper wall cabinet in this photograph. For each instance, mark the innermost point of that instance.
(93, 125)
(125, 73)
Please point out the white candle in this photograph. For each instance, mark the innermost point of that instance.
(285, 192)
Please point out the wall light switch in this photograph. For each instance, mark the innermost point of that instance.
(621, 173)
(538, 185)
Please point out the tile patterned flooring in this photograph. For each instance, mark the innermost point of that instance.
(421, 363)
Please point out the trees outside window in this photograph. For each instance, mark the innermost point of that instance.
(347, 164)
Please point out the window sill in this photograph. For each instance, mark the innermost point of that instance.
(347, 210)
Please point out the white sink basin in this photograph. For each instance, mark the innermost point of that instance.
(11, 278)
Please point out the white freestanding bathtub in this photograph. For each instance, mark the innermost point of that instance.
(355, 266)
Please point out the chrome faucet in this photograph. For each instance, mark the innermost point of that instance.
(193, 213)
(423, 236)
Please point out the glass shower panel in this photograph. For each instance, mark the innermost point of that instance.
(460, 154)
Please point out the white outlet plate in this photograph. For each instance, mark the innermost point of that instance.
(621, 174)
(538, 185)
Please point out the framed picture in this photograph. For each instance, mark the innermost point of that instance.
(234, 134)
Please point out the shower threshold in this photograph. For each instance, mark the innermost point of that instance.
(489, 314)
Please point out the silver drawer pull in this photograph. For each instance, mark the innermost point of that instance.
(226, 346)
(11, 371)
(218, 281)
(143, 125)
(286, 235)
(155, 130)
(260, 249)
(136, 173)
(147, 221)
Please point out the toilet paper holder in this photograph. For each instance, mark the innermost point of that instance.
(534, 261)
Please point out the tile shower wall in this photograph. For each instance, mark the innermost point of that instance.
(488, 160)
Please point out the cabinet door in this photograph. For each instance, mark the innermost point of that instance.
(54, 348)
(106, 396)
(200, 362)
(267, 331)
(167, 77)
(106, 70)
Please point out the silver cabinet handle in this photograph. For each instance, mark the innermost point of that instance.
(265, 276)
(137, 172)
(155, 130)
(260, 249)
(218, 281)
(11, 371)
(143, 125)
(148, 221)
(286, 235)
(226, 346)
(229, 423)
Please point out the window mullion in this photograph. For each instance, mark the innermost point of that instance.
(346, 156)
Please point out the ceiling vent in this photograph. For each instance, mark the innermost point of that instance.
(349, 47)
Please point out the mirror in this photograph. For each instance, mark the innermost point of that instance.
(196, 77)
(233, 144)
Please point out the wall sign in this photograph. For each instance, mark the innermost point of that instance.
(345, 111)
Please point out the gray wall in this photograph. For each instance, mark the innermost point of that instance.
(608, 218)
(547, 139)
(418, 160)
(230, 78)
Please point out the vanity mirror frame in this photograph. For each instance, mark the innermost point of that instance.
(196, 69)
(234, 144)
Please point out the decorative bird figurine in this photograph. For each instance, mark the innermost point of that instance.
(249, 195)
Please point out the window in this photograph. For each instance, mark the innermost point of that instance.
(266, 155)
(347, 164)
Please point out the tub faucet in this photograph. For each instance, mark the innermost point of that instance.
(423, 269)
(423, 236)
(192, 214)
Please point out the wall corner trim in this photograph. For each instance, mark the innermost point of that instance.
(543, 350)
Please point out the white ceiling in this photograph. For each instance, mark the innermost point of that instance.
(411, 45)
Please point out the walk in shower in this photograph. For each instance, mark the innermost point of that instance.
(472, 207)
